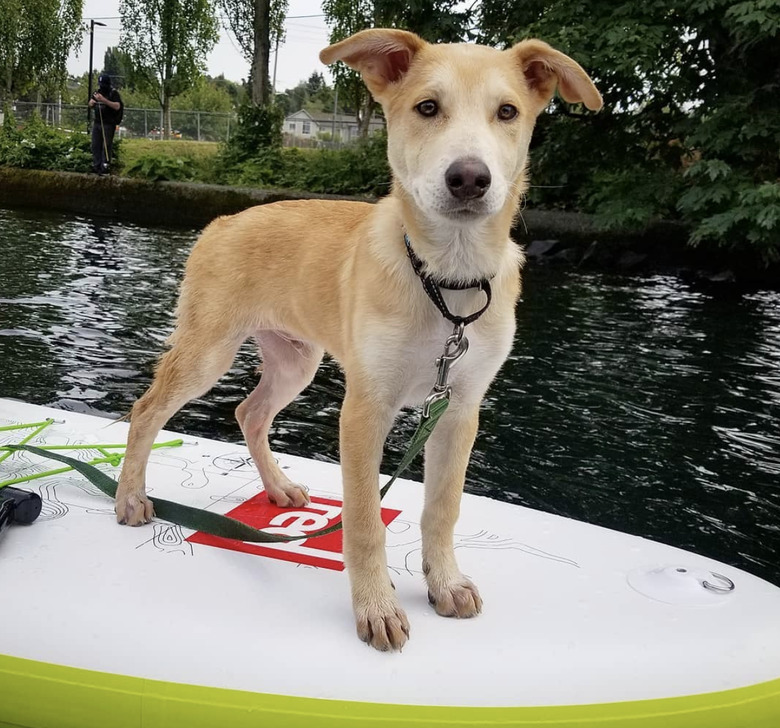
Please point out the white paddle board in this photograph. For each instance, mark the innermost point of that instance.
(158, 626)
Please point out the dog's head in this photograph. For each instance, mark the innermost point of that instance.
(460, 117)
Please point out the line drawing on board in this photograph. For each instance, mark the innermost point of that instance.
(404, 542)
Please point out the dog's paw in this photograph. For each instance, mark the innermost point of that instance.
(133, 510)
(384, 626)
(459, 599)
(288, 494)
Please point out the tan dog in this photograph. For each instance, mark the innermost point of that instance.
(307, 277)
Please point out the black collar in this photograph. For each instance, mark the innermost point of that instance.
(432, 287)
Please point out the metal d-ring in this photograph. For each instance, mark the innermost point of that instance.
(721, 589)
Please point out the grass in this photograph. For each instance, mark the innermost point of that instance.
(172, 160)
(198, 152)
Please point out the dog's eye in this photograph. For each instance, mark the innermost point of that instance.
(507, 112)
(427, 108)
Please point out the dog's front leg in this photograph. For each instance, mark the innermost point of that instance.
(365, 422)
(446, 458)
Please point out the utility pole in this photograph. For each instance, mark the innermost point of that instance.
(333, 128)
(92, 24)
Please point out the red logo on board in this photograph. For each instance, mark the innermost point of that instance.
(259, 512)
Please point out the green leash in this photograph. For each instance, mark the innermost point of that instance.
(215, 524)
(106, 450)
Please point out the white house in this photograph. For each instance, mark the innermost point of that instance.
(314, 125)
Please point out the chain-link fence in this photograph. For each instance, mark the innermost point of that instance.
(63, 116)
(201, 126)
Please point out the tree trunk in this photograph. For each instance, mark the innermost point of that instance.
(9, 84)
(260, 89)
(166, 98)
(166, 109)
(366, 113)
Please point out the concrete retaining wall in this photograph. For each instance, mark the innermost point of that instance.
(178, 204)
(550, 237)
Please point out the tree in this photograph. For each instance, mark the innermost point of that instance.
(205, 95)
(168, 41)
(256, 25)
(294, 98)
(315, 83)
(119, 65)
(313, 95)
(691, 119)
(434, 20)
(235, 91)
(36, 37)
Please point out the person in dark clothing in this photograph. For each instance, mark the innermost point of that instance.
(108, 107)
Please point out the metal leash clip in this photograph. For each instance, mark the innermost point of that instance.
(454, 348)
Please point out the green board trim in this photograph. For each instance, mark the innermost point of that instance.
(42, 695)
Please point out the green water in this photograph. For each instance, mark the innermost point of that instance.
(641, 404)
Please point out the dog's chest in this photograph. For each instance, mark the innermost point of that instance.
(409, 363)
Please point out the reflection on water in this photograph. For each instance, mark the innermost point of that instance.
(638, 404)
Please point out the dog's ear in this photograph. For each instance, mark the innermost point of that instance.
(545, 68)
(381, 55)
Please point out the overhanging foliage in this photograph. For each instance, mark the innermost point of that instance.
(691, 124)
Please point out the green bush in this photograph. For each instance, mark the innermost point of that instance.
(259, 128)
(254, 156)
(169, 160)
(161, 167)
(727, 207)
(632, 197)
(732, 194)
(35, 145)
(358, 169)
(261, 169)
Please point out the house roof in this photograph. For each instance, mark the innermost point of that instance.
(324, 118)
(296, 115)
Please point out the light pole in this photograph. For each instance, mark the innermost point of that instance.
(92, 24)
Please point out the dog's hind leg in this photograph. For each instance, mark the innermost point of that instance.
(289, 366)
(189, 369)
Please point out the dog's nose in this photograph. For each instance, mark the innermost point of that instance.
(467, 179)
